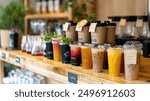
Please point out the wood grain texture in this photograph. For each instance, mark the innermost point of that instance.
(1, 72)
(120, 8)
(59, 72)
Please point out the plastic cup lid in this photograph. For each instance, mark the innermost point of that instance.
(133, 45)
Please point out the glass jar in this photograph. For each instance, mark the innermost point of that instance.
(44, 6)
(29, 44)
(130, 24)
(23, 43)
(38, 8)
(143, 29)
(57, 6)
(50, 6)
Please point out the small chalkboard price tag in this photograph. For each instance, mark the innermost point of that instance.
(73, 78)
(3, 55)
(17, 59)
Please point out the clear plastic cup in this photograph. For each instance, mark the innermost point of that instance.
(132, 54)
(56, 49)
(114, 61)
(86, 55)
(98, 59)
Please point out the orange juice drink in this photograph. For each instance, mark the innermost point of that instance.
(114, 61)
(86, 56)
(56, 49)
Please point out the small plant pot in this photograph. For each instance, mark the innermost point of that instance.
(65, 52)
(49, 50)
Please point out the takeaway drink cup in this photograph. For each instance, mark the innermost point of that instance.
(132, 53)
(98, 59)
(114, 61)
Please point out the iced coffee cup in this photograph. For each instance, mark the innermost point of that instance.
(86, 56)
(98, 59)
(114, 61)
(132, 53)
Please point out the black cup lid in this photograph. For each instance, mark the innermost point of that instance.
(94, 21)
(102, 24)
(112, 24)
(114, 18)
(145, 18)
(72, 23)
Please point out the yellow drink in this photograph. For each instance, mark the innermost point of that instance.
(114, 61)
(86, 55)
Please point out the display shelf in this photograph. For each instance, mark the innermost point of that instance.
(38, 16)
(47, 16)
(59, 72)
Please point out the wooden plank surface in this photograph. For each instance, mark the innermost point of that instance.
(47, 16)
(59, 71)
(1, 72)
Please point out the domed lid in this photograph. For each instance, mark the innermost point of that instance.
(133, 45)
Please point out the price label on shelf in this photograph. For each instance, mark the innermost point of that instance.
(66, 26)
(17, 59)
(122, 22)
(139, 23)
(72, 78)
(130, 56)
(92, 27)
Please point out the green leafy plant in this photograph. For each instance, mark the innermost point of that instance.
(81, 11)
(12, 15)
(49, 35)
(66, 40)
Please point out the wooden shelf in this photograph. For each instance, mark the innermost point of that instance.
(48, 16)
(59, 72)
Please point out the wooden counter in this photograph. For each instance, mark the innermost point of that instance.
(56, 72)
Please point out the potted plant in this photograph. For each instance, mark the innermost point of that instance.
(81, 10)
(11, 17)
(65, 49)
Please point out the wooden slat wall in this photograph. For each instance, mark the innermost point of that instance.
(120, 7)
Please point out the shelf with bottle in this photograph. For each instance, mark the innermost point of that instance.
(60, 72)
(47, 16)
(45, 9)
